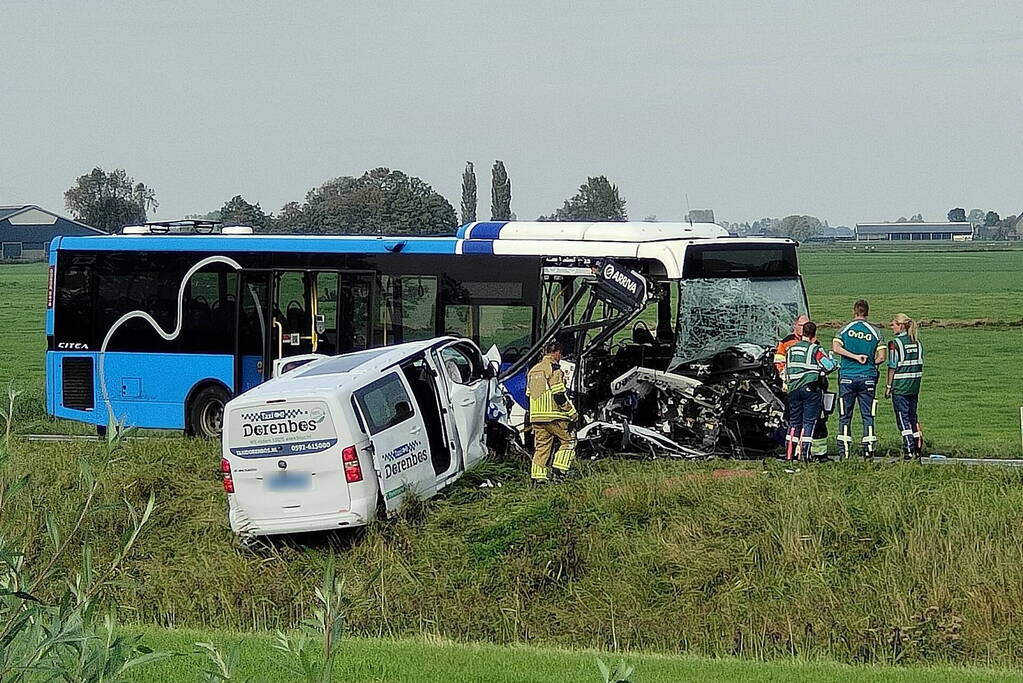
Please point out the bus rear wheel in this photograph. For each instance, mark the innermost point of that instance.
(206, 413)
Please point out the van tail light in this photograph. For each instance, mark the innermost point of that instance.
(225, 467)
(353, 470)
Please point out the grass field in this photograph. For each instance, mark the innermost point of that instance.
(849, 562)
(415, 660)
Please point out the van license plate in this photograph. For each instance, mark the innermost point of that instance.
(289, 481)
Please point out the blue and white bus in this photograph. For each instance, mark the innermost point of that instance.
(160, 330)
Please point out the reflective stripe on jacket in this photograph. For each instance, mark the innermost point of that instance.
(906, 357)
(802, 367)
(548, 397)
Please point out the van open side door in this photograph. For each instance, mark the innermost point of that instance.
(467, 385)
(401, 449)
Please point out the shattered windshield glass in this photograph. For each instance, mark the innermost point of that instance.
(715, 314)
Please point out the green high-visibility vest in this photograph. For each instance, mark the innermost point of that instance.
(909, 368)
(801, 366)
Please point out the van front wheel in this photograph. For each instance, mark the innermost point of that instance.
(206, 413)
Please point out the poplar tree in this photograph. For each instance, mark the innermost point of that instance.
(468, 194)
(500, 193)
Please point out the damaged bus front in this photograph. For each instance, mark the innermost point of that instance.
(691, 373)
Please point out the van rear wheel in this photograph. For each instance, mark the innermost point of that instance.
(206, 413)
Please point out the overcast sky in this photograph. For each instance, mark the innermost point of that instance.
(849, 111)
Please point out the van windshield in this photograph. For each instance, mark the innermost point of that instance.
(715, 314)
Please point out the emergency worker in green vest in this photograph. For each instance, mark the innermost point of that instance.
(805, 365)
(551, 415)
(905, 371)
(859, 348)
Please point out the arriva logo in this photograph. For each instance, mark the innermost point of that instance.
(865, 336)
(611, 273)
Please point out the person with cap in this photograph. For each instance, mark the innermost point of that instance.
(860, 350)
(805, 364)
(551, 416)
(905, 372)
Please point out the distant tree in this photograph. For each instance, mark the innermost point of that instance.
(500, 193)
(208, 216)
(957, 215)
(766, 226)
(597, 200)
(800, 227)
(109, 201)
(901, 219)
(468, 194)
(991, 219)
(381, 202)
(976, 216)
(237, 210)
(288, 219)
(1005, 227)
(652, 218)
(916, 218)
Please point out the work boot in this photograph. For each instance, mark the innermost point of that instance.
(537, 483)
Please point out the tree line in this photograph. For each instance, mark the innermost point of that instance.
(386, 201)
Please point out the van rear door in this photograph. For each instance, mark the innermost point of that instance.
(288, 460)
(401, 449)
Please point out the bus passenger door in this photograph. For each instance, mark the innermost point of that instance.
(354, 306)
(253, 330)
(293, 303)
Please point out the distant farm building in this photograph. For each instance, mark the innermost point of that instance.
(26, 231)
(914, 231)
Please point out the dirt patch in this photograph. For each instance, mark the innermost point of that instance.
(944, 323)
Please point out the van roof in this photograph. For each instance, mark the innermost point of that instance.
(327, 372)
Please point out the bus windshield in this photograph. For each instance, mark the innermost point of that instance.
(736, 293)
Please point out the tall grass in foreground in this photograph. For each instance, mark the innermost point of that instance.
(853, 562)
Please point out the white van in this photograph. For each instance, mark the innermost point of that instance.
(331, 443)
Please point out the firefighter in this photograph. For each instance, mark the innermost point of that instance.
(905, 370)
(860, 351)
(820, 434)
(805, 364)
(551, 416)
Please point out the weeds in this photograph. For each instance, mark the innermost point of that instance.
(326, 624)
(7, 411)
(622, 673)
(63, 638)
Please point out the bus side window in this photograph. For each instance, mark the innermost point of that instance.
(509, 327)
(209, 313)
(406, 308)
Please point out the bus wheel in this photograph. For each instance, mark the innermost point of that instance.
(206, 413)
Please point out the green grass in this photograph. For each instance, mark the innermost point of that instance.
(417, 660)
(853, 563)
(952, 285)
